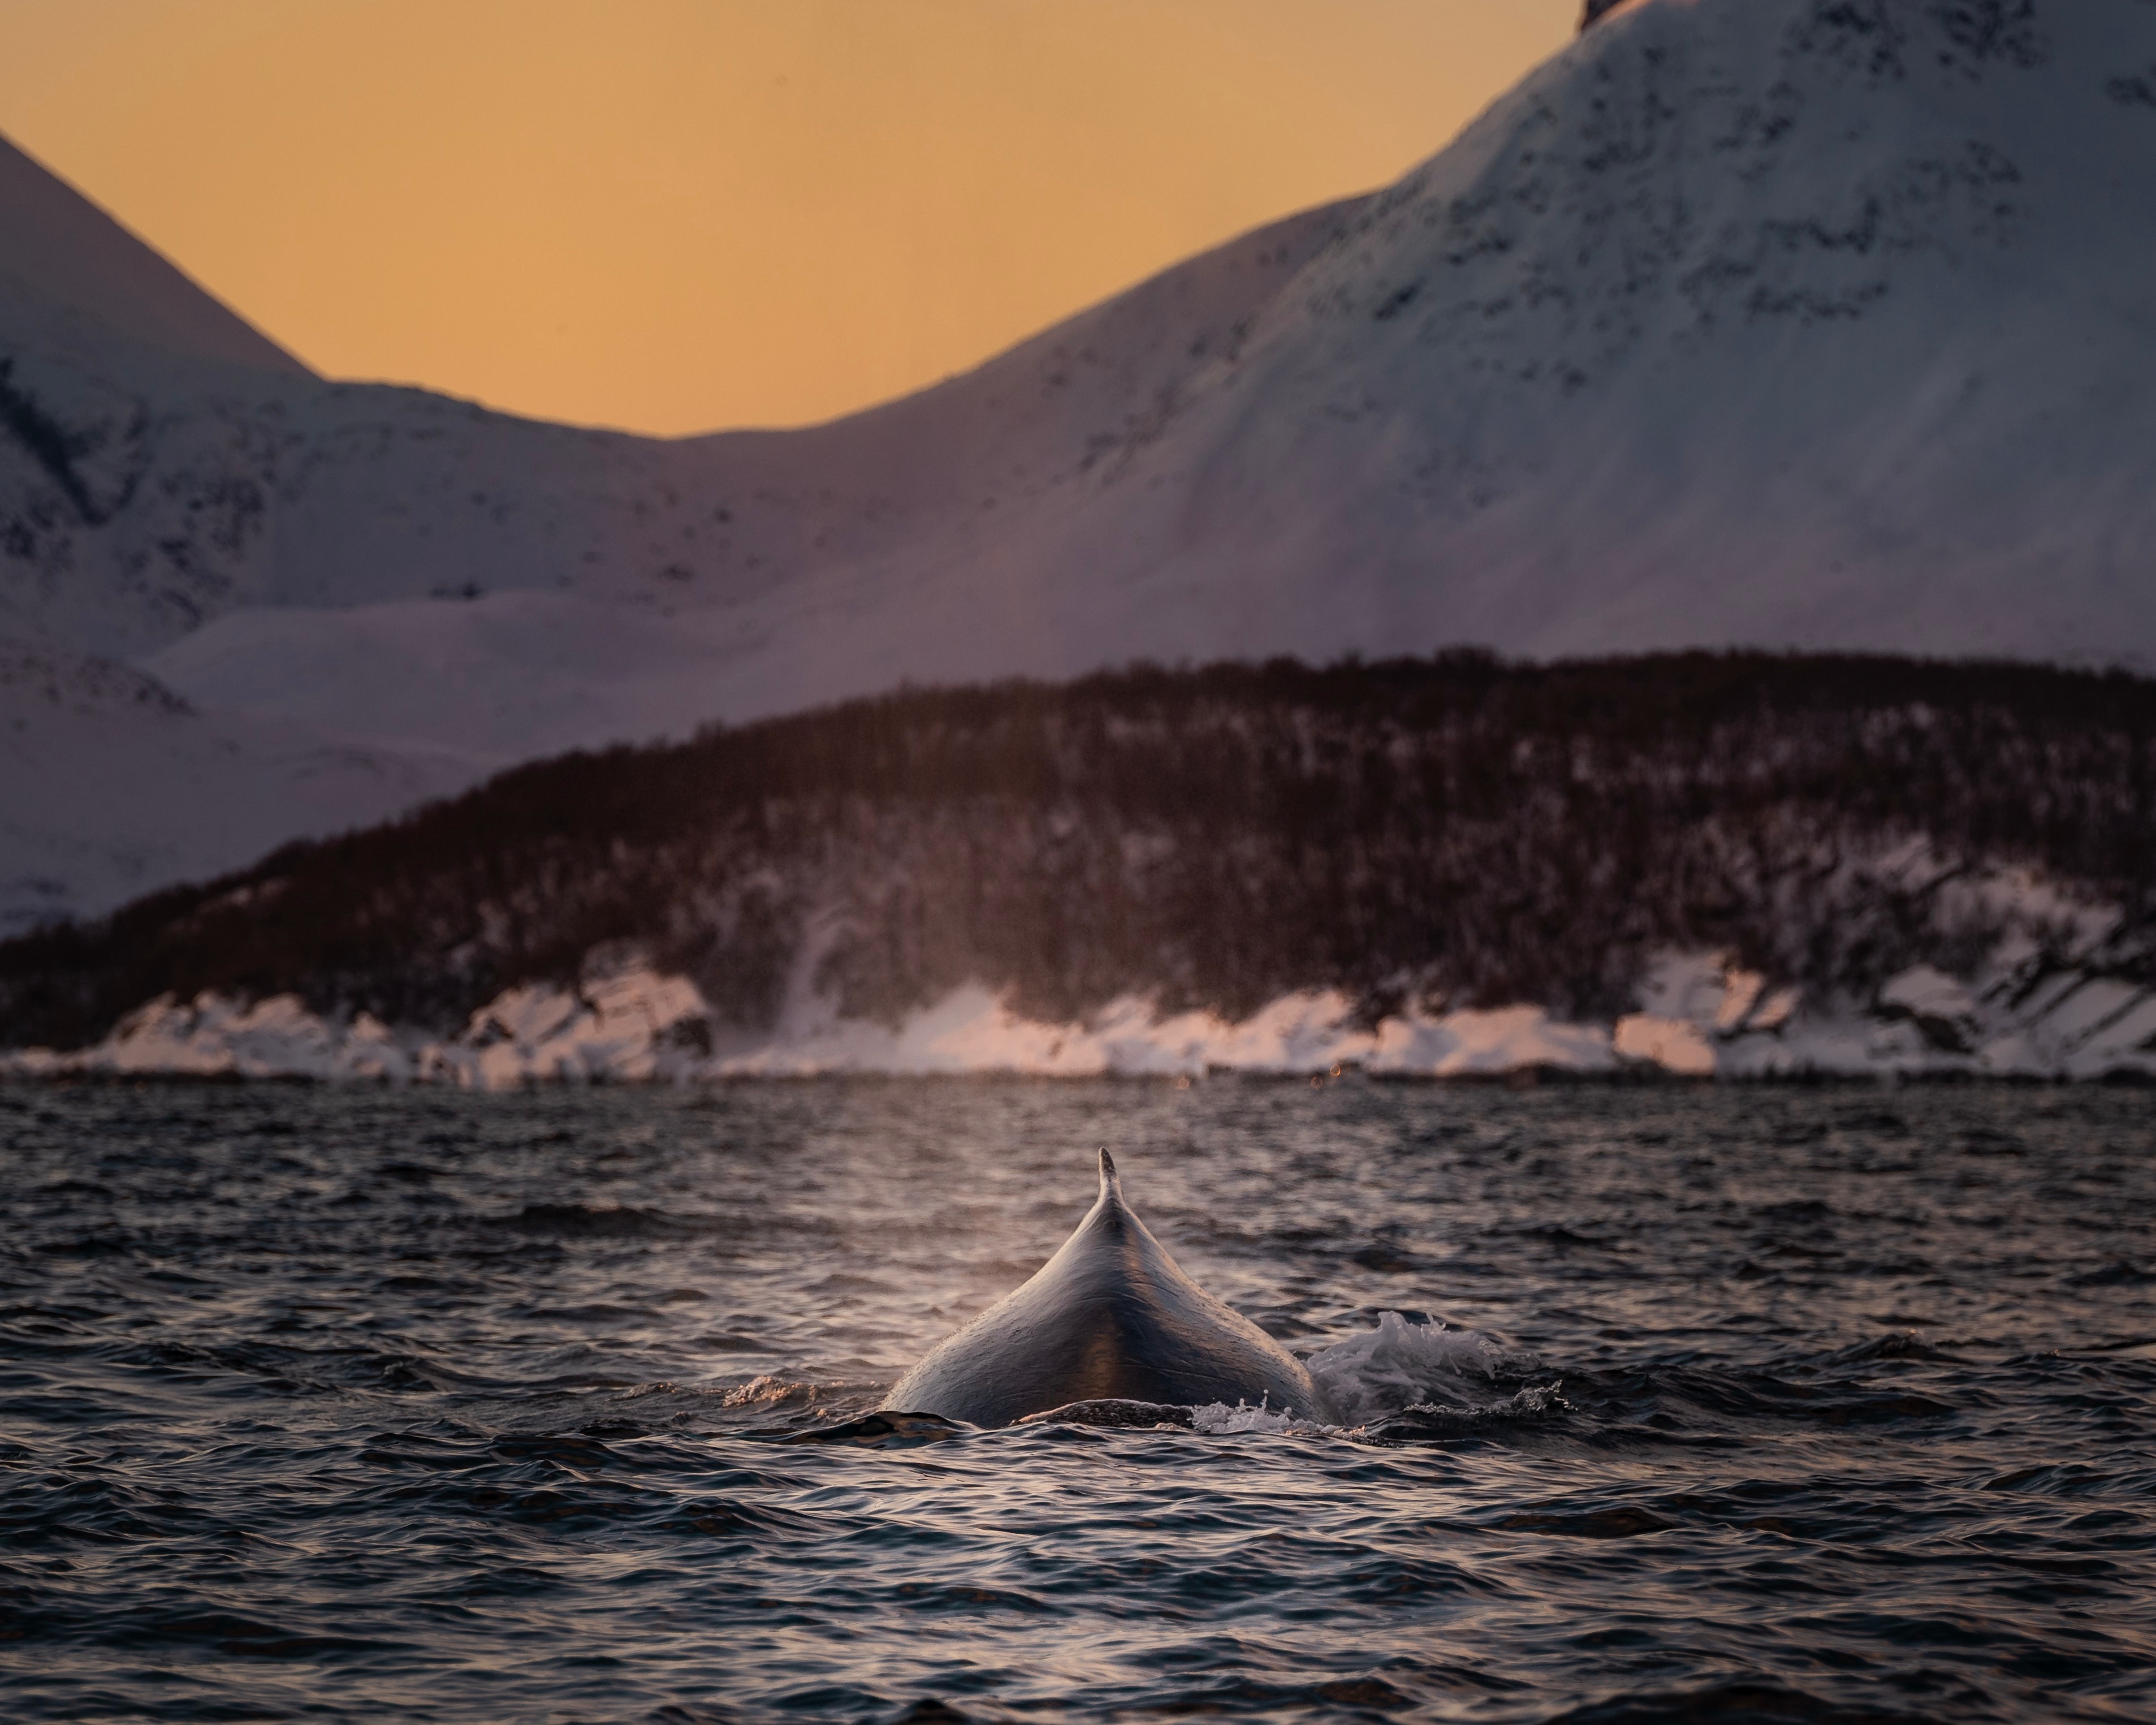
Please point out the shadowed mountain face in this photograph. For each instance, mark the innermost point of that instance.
(1789, 322)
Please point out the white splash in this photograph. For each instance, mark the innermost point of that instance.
(1219, 1420)
(1400, 1365)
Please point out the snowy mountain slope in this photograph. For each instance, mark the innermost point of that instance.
(114, 785)
(1794, 323)
(1773, 321)
(593, 586)
(1780, 320)
(245, 491)
(1777, 321)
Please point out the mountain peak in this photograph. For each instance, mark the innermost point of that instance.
(70, 274)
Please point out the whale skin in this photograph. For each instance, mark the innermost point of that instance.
(1110, 1317)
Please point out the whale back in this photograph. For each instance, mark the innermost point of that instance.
(1112, 1316)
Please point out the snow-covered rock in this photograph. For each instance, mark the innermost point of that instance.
(627, 1022)
(213, 1036)
(1942, 1009)
(1670, 1043)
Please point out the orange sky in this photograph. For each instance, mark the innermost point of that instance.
(674, 215)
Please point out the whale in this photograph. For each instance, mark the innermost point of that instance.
(1111, 1318)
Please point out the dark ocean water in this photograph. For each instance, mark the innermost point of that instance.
(1779, 1406)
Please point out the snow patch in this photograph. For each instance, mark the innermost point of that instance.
(213, 1036)
(1670, 1044)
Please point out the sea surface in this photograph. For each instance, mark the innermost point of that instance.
(1766, 1405)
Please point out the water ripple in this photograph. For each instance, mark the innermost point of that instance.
(1702, 1405)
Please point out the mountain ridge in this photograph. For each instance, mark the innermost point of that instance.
(72, 277)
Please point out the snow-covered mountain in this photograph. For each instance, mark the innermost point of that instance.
(1823, 323)
(336, 601)
(111, 783)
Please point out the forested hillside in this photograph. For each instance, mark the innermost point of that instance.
(1424, 835)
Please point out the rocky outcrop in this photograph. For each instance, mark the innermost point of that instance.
(1704, 1017)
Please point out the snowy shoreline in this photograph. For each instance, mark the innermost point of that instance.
(1703, 1018)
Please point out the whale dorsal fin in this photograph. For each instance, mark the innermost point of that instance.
(1110, 1318)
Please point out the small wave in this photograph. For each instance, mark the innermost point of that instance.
(1555, 1234)
(1679, 1394)
(234, 1635)
(1737, 1703)
(1896, 1345)
(768, 1392)
(1400, 1365)
(412, 1173)
(1617, 1521)
(2118, 1275)
(579, 1452)
(794, 1404)
(1534, 1404)
(1218, 1420)
(883, 1430)
(603, 1221)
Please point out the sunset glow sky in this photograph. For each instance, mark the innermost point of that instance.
(675, 215)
